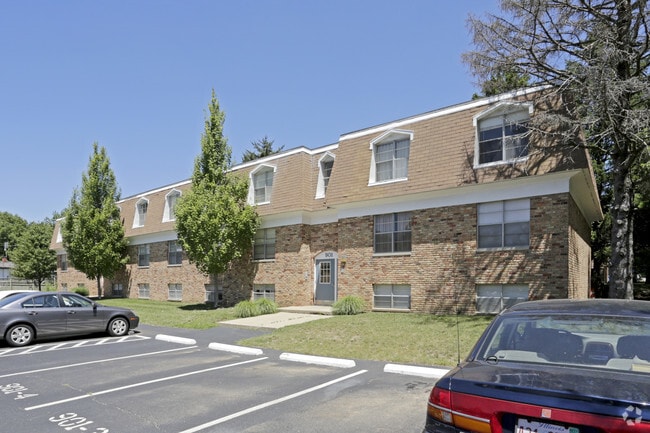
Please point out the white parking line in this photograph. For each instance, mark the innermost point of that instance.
(271, 403)
(134, 385)
(94, 362)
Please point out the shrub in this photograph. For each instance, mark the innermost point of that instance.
(81, 291)
(349, 305)
(266, 306)
(246, 309)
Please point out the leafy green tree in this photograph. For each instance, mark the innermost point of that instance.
(262, 148)
(11, 228)
(594, 55)
(93, 235)
(215, 224)
(33, 257)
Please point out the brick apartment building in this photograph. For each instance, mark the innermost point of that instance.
(462, 207)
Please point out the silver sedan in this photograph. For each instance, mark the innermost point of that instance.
(25, 317)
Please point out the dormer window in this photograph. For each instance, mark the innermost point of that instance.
(502, 134)
(325, 165)
(170, 205)
(261, 184)
(141, 208)
(390, 156)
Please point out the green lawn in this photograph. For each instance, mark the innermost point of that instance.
(409, 338)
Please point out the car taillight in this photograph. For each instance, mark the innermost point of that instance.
(441, 408)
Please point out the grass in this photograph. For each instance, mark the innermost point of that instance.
(408, 338)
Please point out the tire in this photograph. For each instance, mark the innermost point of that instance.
(19, 335)
(118, 327)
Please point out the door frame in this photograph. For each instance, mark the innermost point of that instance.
(326, 256)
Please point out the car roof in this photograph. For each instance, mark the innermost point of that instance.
(609, 307)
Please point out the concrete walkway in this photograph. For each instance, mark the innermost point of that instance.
(286, 316)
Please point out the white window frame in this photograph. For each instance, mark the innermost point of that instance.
(493, 298)
(171, 199)
(175, 292)
(117, 289)
(266, 240)
(144, 255)
(63, 261)
(504, 114)
(264, 291)
(144, 291)
(261, 170)
(392, 136)
(391, 297)
(397, 219)
(141, 209)
(175, 251)
(323, 178)
(505, 214)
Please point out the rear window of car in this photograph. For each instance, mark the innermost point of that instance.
(612, 342)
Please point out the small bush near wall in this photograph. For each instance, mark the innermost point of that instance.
(349, 305)
(246, 309)
(266, 306)
(81, 291)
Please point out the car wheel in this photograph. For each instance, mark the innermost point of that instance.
(19, 335)
(118, 326)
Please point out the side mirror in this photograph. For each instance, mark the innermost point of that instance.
(94, 305)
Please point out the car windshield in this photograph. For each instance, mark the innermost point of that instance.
(613, 342)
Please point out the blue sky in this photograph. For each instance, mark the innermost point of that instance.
(136, 77)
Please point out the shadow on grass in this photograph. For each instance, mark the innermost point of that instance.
(197, 307)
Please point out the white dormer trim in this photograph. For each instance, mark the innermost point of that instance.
(504, 108)
(139, 218)
(392, 135)
(167, 213)
(251, 184)
(320, 186)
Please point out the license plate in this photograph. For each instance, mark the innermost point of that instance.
(526, 426)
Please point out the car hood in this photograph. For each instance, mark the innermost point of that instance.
(582, 389)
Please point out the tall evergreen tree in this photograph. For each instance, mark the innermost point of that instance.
(33, 257)
(93, 235)
(261, 148)
(215, 224)
(595, 54)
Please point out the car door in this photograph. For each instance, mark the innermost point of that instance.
(83, 317)
(45, 313)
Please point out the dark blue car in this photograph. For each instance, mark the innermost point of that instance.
(561, 366)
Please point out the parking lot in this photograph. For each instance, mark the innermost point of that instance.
(153, 381)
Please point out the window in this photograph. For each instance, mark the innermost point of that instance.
(175, 254)
(504, 224)
(390, 154)
(264, 291)
(143, 291)
(392, 296)
(143, 255)
(141, 208)
(325, 165)
(502, 134)
(63, 262)
(117, 289)
(171, 199)
(175, 292)
(264, 246)
(492, 298)
(261, 184)
(393, 233)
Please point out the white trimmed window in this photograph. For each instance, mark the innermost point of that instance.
(171, 199)
(393, 233)
(117, 289)
(141, 208)
(325, 165)
(175, 292)
(390, 157)
(261, 184)
(492, 298)
(504, 224)
(143, 291)
(264, 291)
(63, 262)
(264, 244)
(502, 134)
(144, 253)
(392, 296)
(175, 253)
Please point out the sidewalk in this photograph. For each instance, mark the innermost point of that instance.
(285, 317)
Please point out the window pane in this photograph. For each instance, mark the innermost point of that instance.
(384, 171)
(489, 236)
(517, 234)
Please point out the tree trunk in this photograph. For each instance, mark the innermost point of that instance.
(621, 262)
(99, 287)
